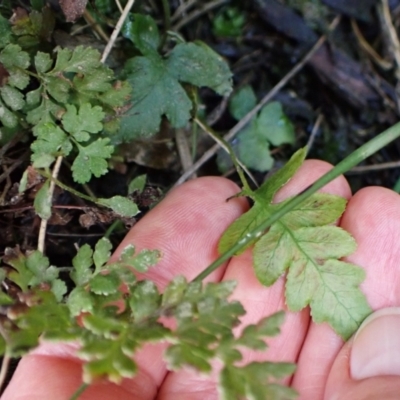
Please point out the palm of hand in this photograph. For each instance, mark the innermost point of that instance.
(186, 227)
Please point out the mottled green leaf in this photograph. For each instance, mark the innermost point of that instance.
(121, 205)
(82, 263)
(81, 124)
(274, 125)
(143, 260)
(7, 117)
(43, 62)
(80, 60)
(198, 64)
(105, 284)
(79, 301)
(156, 93)
(144, 300)
(143, 32)
(12, 97)
(101, 253)
(91, 160)
(137, 184)
(174, 292)
(243, 101)
(253, 150)
(42, 202)
(51, 141)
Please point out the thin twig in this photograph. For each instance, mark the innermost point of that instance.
(183, 149)
(376, 167)
(236, 162)
(116, 30)
(197, 13)
(43, 222)
(314, 131)
(121, 10)
(182, 9)
(384, 64)
(247, 118)
(95, 26)
(392, 34)
(4, 369)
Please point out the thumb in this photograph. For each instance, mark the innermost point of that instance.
(368, 366)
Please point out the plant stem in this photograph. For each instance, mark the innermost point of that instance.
(350, 161)
(226, 146)
(43, 222)
(4, 369)
(68, 189)
(79, 391)
(116, 31)
(167, 15)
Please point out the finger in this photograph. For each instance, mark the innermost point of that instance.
(373, 218)
(185, 227)
(259, 301)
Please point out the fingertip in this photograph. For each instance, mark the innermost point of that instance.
(309, 172)
(367, 367)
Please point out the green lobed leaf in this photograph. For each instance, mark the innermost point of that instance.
(58, 88)
(102, 253)
(143, 32)
(79, 60)
(120, 205)
(117, 95)
(82, 263)
(174, 292)
(5, 31)
(51, 141)
(13, 56)
(253, 382)
(304, 243)
(98, 80)
(80, 301)
(274, 125)
(7, 117)
(243, 101)
(105, 284)
(253, 150)
(156, 93)
(83, 122)
(91, 160)
(12, 97)
(198, 64)
(44, 113)
(137, 184)
(142, 261)
(229, 22)
(270, 126)
(144, 300)
(20, 274)
(43, 62)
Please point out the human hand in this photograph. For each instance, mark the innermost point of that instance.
(186, 227)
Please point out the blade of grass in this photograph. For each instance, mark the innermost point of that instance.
(350, 161)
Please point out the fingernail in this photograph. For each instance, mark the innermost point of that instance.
(376, 346)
